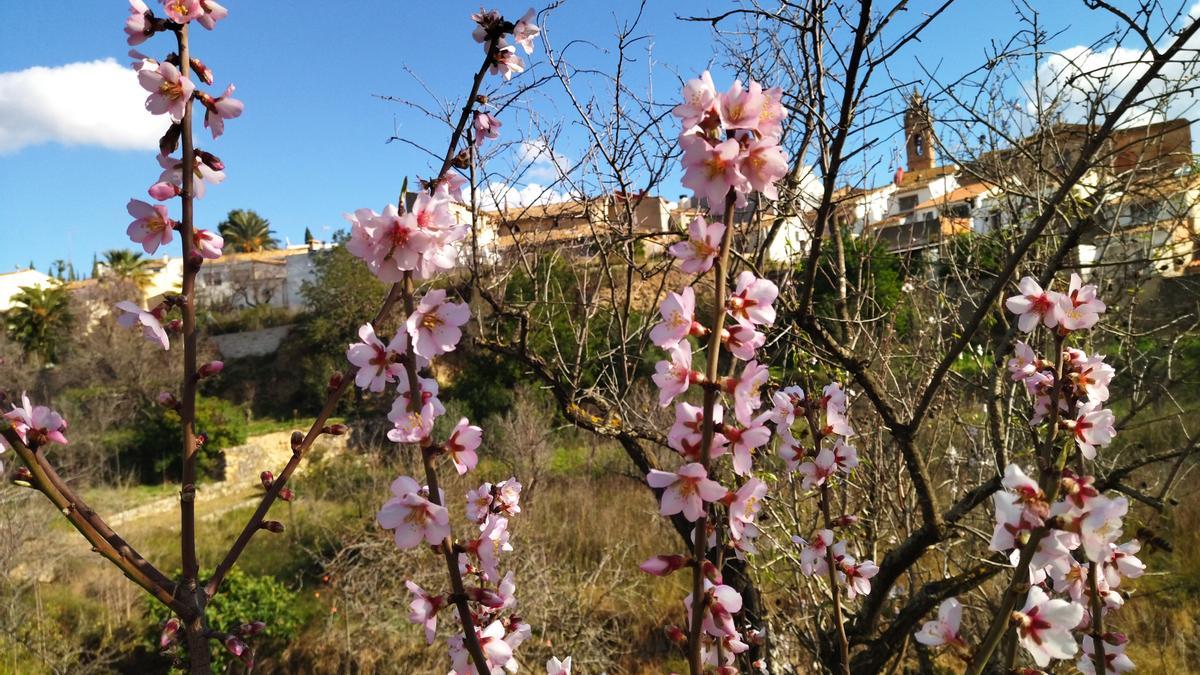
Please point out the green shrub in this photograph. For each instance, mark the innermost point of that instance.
(153, 446)
(244, 598)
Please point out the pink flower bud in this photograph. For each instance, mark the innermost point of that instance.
(252, 628)
(235, 646)
(201, 438)
(210, 160)
(170, 633)
(22, 477)
(209, 369)
(710, 570)
(267, 478)
(1116, 638)
(845, 521)
(335, 381)
(273, 526)
(167, 400)
(202, 71)
(286, 494)
(163, 191)
(335, 429)
(727, 670)
(170, 141)
(485, 597)
(676, 635)
(662, 565)
(174, 326)
(297, 440)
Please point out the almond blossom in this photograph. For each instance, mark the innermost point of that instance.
(856, 576)
(723, 603)
(1115, 659)
(133, 316)
(944, 629)
(461, 445)
(505, 61)
(763, 164)
(410, 426)
(1078, 308)
(486, 127)
(1092, 426)
(662, 565)
(1044, 627)
(701, 248)
(1024, 362)
(673, 376)
(213, 12)
(377, 364)
(699, 99)
(686, 490)
(395, 245)
(151, 227)
(1102, 525)
(817, 471)
(786, 404)
(744, 440)
(746, 388)
(183, 11)
(36, 425)
(137, 26)
(753, 299)
(813, 555)
(1122, 562)
(743, 510)
(170, 91)
(711, 170)
(425, 608)
(835, 403)
(523, 33)
(224, 107)
(435, 326)
(556, 667)
(207, 244)
(740, 107)
(412, 516)
(205, 172)
(1033, 305)
(678, 313)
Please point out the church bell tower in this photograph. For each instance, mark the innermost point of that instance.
(919, 141)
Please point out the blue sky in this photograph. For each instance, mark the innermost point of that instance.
(312, 142)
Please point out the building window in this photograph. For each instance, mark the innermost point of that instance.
(908, 203)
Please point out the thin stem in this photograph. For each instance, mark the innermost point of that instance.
(835, 594)
(428, 454)
(1097, 629)
(713, 354)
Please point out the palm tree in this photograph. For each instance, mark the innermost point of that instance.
(40, 320)
(245, 231)
(128, 266)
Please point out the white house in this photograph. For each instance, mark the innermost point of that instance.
(11, 283)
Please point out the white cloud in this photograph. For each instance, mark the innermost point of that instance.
(1080, 81)
(497, 196)
(544, 164)
(89, 103)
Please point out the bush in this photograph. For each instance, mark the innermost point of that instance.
(244, 598)
(153, 448)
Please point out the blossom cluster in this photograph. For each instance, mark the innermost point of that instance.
(171, 93)
(1078, 564)
(35, 425)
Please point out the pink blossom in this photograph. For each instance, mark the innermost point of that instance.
(1115, 659)
(461, 446)
(425, 609)
(396, 244)
(486, 23)
(1033, 305)
(213, 12)
(817, 471)
(701, 248)
(486, 127)
(771, 115)
(687, 431)
(450, 184)
(1026, 490)
(753, 298)
(556, 667)
(493, 539)
(1091, 377)
(170, 91)
(436, 325)
(678, 313)
(845, 456)
(743, 442)
(523, 33)
(1079, 308)
(413, 517)
(427, 387)
(207, 244)
(741, 108)
(163, 190)
(410, 426)
(1102, 525)
(505, 61)
(1122, 562)
(497, 651)
(377, 363)
(173, 174)
(699, 99)
(686, 490)
(224, 107)
(742, 340)
(672, 377)
(786, 404)
(1024, 362)
(479, 503)
(835, 403)
(763, 164)
(183, 11)
(508, 496)
(723, 603)
(944, 629)
(132, 316)
(790, 449)
(746, 391)
(856, 576)
(151, 227)
(36, 425)
(813, 555)
(662, 565)
(1044, 627)
(1012, 519)
(711, 170)
(743, 511)
(137, 26)
(1093, 426)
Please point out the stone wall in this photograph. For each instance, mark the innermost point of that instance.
(250, 343)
